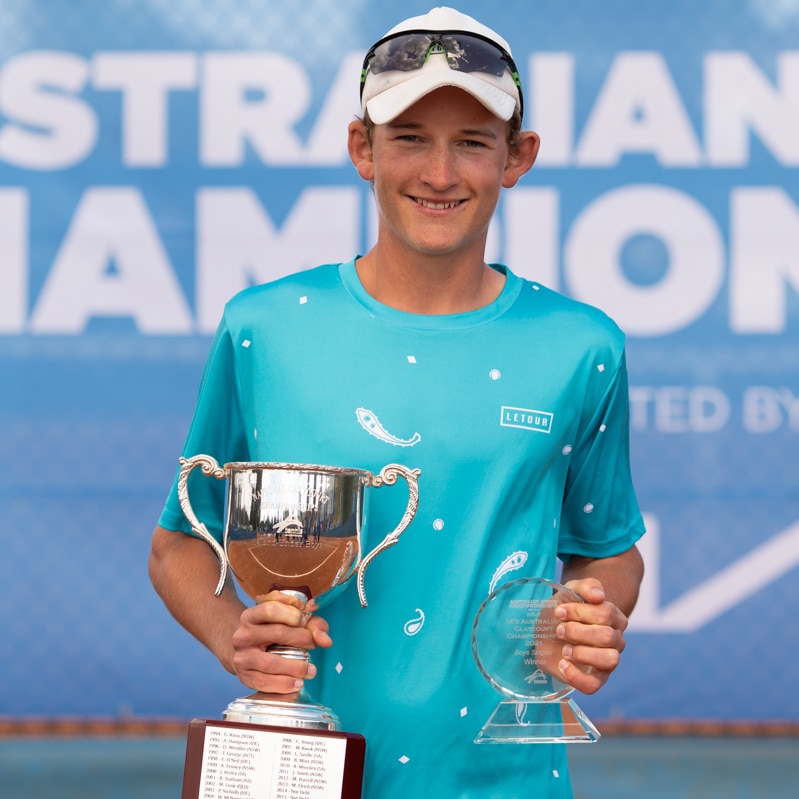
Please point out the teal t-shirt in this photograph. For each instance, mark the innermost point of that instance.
(517, 416)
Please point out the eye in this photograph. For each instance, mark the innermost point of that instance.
(475, 144)
(406, 137)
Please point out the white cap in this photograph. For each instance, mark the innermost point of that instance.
(387, 94)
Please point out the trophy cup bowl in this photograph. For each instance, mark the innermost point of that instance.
(300, 529)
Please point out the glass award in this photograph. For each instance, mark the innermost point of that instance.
(517, 650)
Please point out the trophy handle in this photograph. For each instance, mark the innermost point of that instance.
(388, 476)
(212, 469)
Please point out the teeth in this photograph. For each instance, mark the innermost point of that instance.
(436, 206)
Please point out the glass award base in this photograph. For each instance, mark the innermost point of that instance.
(537, 721)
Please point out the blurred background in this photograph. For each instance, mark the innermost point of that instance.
(156, 156)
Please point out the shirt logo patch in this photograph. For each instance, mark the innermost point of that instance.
(526, 419)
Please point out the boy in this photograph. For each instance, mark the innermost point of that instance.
(438, 350)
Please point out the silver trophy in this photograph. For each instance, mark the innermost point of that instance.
(299, 529)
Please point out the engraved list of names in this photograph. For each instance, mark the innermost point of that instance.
(263, 764)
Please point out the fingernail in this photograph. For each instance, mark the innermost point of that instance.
(560, 612)
(563, 665)
(298, 684)
(311, 670)
(561, 630)
(567, 651)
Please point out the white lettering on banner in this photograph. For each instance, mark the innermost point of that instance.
(767, 409)
(111, 262)
(764, 232)
(531, 220)
(327, 223)
(764, 243)
(256, 98)
(13, 260)
(551, 107)
(237, 244)
(592, 262)
(145, 80)
(327, 144)
(738, 99)
(638, 111)
(38, 90)
(229, 118)
(726, 589)
(48, 127)
(678, 409)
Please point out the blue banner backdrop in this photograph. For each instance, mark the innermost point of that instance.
(158, 155)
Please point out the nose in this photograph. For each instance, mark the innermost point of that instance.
(441, 171)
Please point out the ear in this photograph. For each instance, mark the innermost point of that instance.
(520, 159)
(360, 150)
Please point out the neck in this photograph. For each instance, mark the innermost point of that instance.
(429, 285)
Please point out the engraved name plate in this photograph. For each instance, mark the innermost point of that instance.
(227, 760)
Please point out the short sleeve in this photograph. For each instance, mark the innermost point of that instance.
(218, 430)
(600, 515)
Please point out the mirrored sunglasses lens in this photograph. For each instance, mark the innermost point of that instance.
(464, 53)
(469, 54)
(405, 53)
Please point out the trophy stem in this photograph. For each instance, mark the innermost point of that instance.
(296, 710)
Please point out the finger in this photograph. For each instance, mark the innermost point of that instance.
(273, 611)
(587, 682)
(600, 636)
(589, 658)
(283, 597)
(605, 614)
(271, 663)
(271, 683)
(589, 590)
(280, 628)
(271, 672)
(261, 636)
(318, 628)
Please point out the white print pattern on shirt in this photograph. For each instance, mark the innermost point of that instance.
(369, 422)
(413, 626)
(510, 564)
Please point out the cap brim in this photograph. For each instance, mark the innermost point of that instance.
(393, 101)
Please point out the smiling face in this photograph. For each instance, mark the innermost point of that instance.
(437, 171)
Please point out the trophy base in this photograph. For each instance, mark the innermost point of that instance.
(540, 721)
(298, 711)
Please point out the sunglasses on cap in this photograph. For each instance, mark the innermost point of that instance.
(465, 52)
